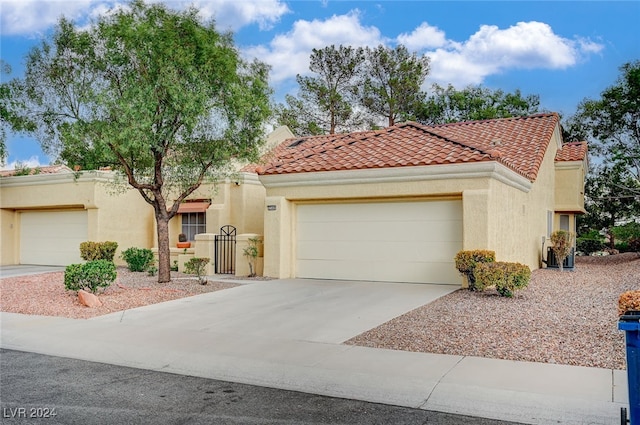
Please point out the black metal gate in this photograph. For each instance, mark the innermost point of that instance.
(225, 250)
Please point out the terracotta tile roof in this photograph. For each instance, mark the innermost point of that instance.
(518, 143)
(43, 169)
(574, 151)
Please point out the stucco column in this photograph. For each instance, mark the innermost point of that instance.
(475, 219)
(205, 248)
(278, 237)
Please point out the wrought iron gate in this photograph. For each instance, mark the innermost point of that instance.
(225, 250)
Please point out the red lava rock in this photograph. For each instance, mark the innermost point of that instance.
(122, 286)
(88, 299)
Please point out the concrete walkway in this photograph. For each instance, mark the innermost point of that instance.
(288, 334)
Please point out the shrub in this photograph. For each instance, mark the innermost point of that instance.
(626, 232)
(590, 242)
(89, 276)
(628, 301)
(466, 262)
(562, 243)
(90, 251)
(138, 259)
(506, 277)
(196, 265)
(251, 252)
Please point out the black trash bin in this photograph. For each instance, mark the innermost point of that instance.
(630, 323)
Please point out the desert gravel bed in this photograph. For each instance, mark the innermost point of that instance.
(44, 294)
(566, 318)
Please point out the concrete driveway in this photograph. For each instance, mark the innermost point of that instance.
(27, 269)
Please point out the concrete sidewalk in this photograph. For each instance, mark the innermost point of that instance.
(288, 334)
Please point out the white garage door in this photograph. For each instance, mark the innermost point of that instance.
(382, 241)
(52, 238)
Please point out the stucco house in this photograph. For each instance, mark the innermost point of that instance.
(397, 204)
(394, 204)
(46, 215)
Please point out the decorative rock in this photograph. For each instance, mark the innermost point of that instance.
(88, 299)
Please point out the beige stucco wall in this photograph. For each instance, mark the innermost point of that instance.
(238, 202)
(120, 216)
(569, 186)
(496, 205)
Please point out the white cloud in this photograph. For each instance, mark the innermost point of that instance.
(27, 17)
(425, 36)
(491, 50)
(32, 162)
(234, 14)
(288, 53)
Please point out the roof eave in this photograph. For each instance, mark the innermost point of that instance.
(490, 169)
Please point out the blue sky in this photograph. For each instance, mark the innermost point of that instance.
(564, 51)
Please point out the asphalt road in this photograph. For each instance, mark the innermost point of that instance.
(39, 389)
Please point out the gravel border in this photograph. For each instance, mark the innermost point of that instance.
(567, 317)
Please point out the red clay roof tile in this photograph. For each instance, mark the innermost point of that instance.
(574, 151)
(518, 143)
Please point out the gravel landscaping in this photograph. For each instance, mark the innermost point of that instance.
(44, 294)
(566, 318)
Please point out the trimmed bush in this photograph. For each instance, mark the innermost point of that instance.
(138, 259)
(90, 251)
(589, 243)
(89, 276)
(466, 262)
(506, 277)
(196, 265)
(629, 301)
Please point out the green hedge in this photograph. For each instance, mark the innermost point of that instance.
(89, 276)
(506, 277)
(138, 259)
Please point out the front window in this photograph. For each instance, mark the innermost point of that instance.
(193, 224)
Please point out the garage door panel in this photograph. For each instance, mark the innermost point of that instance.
(380, 271)
(386, 241)
(52, 237)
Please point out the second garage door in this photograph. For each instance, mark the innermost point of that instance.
(380, 241)
(52, 237)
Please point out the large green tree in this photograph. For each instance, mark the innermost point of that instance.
(324, 103)
(612, 126)
(473, 103)
(391, 82)
(159, 95)
(11, 120)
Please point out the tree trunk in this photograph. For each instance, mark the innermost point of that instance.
(164, 256)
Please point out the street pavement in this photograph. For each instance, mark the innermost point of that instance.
(53, 390)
